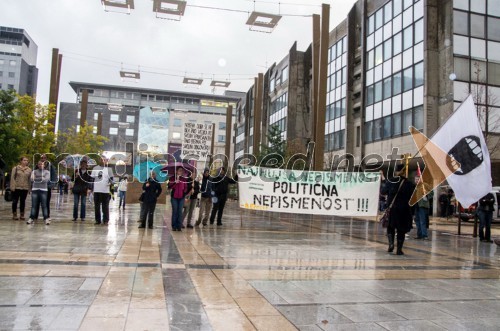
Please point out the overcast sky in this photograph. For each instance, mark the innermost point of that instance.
(205, 43)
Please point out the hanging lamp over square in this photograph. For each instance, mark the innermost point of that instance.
(118, 4)
(220, 83)
(169, 9)
(192, 81)
(130, 75)
(263, 22)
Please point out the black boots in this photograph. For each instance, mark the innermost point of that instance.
(390, 236)
(400, 247)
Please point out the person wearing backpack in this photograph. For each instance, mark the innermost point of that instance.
(20, 186)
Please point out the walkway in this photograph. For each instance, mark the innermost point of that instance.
(257, 272)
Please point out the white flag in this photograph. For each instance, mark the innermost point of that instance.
(462, 138)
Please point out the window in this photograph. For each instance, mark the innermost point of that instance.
(407, 37)
(387, 49)
(460, 22)
(378, 55)
(408, 79)
(96, 116)
(419, 74)
(12, 63)
(379, 15)
(377, 129)
(396, 42)
(388, 12)
(378, 92)
(418, 116)
(12, 74)
(461, 68)
(114, 117)
(371, 24)
(130, 119)
(396, 83)
(477, 26)
(272, 85)
(369, 95)
(368, 132)
(396, 124)
(10, 86)
(222, 125)
(493, 73)
(129, 132)
(419, 31)
(222, 138)
(358, 136)
(78, 128)
(177, 122)
(284, 74)
(1, 73)
(493, 28)
(113, 131)
(407, 120)
(386, 127)
(79, 115)
(387, 88)
(94, 129)
(396, 4)
(2, 61)
(176, 135)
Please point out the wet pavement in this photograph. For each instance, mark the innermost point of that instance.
(259, 271)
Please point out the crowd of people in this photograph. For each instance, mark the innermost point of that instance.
(189, 191)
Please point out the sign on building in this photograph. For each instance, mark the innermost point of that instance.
(196, 140)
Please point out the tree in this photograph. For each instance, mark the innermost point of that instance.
(35, 118)
(85, 141)
(10, 136)
(272, 151)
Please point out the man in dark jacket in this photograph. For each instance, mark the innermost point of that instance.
(399, 189)
(152, 190)
(206, 198)
(485, 214)
(220, 189)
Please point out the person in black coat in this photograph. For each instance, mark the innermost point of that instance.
(82, 185)
(485, 214)
(193, 191)
(152, 190)
(220, 190)
(399, 189)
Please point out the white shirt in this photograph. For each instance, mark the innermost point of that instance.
(123, 185)
(102, 178)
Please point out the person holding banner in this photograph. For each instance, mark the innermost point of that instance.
(399, 191)
(220, 189)
(178, 187)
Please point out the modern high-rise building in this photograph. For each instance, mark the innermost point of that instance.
(18, 53)
(391, 64)
(147, 120)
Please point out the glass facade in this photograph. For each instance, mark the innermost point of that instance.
(476, 48)
(153, 130)
(336, 97)
(395, 70)
(279, 110)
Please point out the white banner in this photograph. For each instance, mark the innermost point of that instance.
(309, 192)
(196, 140)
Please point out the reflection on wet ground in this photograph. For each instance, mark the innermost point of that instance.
(259, 271)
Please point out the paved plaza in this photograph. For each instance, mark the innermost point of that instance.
(259, 271)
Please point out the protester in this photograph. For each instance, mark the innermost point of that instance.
(40, 179)
(102, 179)
(485, 214)
(178, 186)
(122, 191)
(422, 208)
(400, 190)
(220, 189)
(20, 185)
(152, 190)
(443, 204)
(206, 198)
(82, 184)
(191, 199)
(53, 180)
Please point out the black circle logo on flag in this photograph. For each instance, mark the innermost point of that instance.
(468, 153)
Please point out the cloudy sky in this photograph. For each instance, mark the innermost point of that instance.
(206, 43)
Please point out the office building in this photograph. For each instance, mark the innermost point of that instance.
(147, 120)
(18, 53)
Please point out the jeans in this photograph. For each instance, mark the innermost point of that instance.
(189, 211)
(421, 217)
(78, 198)
(101, 199)
(122, 195)
(19, 195)
(205, 206)
(47, 204)
(38, 198)
(218, 208)
(177, 212)
(485, 218)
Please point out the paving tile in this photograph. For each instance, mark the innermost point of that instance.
(15, 297)
(367, 313)
(54, 297)
(471, 324)
(418, 325)
(312, 315)
(416, 310)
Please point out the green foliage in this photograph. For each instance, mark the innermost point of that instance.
(272, 155)
(85, 141)
(24, 127)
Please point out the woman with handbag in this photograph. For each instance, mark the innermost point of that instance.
(20, 186)
(82, 184)
(399, 213)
